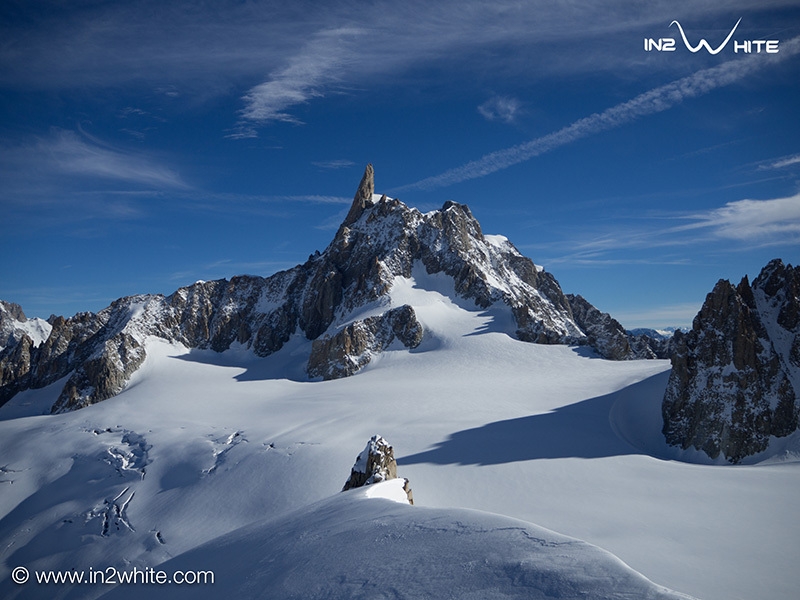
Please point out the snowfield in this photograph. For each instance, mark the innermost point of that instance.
(234, 463)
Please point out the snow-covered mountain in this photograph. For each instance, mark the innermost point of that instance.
(216, 461)
(657, 334)
(348, 299)
(735, 379)
(230, 428)
(14, 325)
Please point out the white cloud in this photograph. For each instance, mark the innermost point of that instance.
(738, 226)
(307, 73)
(769, 222)
(68, 167)
(786, 161)
(296, 52)
(500, 108)
(255, 199)
(73, 154)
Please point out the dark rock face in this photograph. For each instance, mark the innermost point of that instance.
(15, 367)
(735, 376)
(374, 464)
(609, 338)
(381, 239)
(351, 348)
(10, 315)
(649, 341)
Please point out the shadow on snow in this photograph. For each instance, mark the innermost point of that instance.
(593, 428)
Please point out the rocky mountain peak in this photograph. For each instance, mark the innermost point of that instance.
(363, 197)
(735, 377)
(12, 311)
(380, 241)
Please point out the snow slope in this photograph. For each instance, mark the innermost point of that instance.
(201, 445)
(356, 546)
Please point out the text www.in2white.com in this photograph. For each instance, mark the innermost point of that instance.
(113, 576)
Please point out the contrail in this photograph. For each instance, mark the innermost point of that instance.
(648, 103)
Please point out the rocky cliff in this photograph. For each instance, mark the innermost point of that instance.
(609, 338)
(735, 377)
(380, 240)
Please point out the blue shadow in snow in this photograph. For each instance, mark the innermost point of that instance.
(581, 430)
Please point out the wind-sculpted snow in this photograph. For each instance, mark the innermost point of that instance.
(200, 445)
(354, 546)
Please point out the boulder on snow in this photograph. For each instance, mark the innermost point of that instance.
(374, 464)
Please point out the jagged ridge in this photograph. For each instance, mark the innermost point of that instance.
(735, 376)
(379, 240)
(607, 335)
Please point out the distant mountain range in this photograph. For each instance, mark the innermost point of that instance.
(347, 300)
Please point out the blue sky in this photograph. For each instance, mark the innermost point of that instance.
(146, 145)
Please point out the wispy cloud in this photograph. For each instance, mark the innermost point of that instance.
(656, 100)
(782, 163)
(73, 177)
(307, 72)
(737, 226)
(70, 153)
(333, 165)
(228, 198)
(378, 44)
(288, 54)
(500, 108)
(767, 222)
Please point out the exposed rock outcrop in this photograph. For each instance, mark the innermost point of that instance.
(352, 347)
(374, 464)
(10, 316)
(645, 342)
(735, 377)
(15, 368)
(609, 338)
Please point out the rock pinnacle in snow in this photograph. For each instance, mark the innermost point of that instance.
(374, 464)
(363, 197)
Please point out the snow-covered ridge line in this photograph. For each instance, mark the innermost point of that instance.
(380, 240)
(376, 544)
